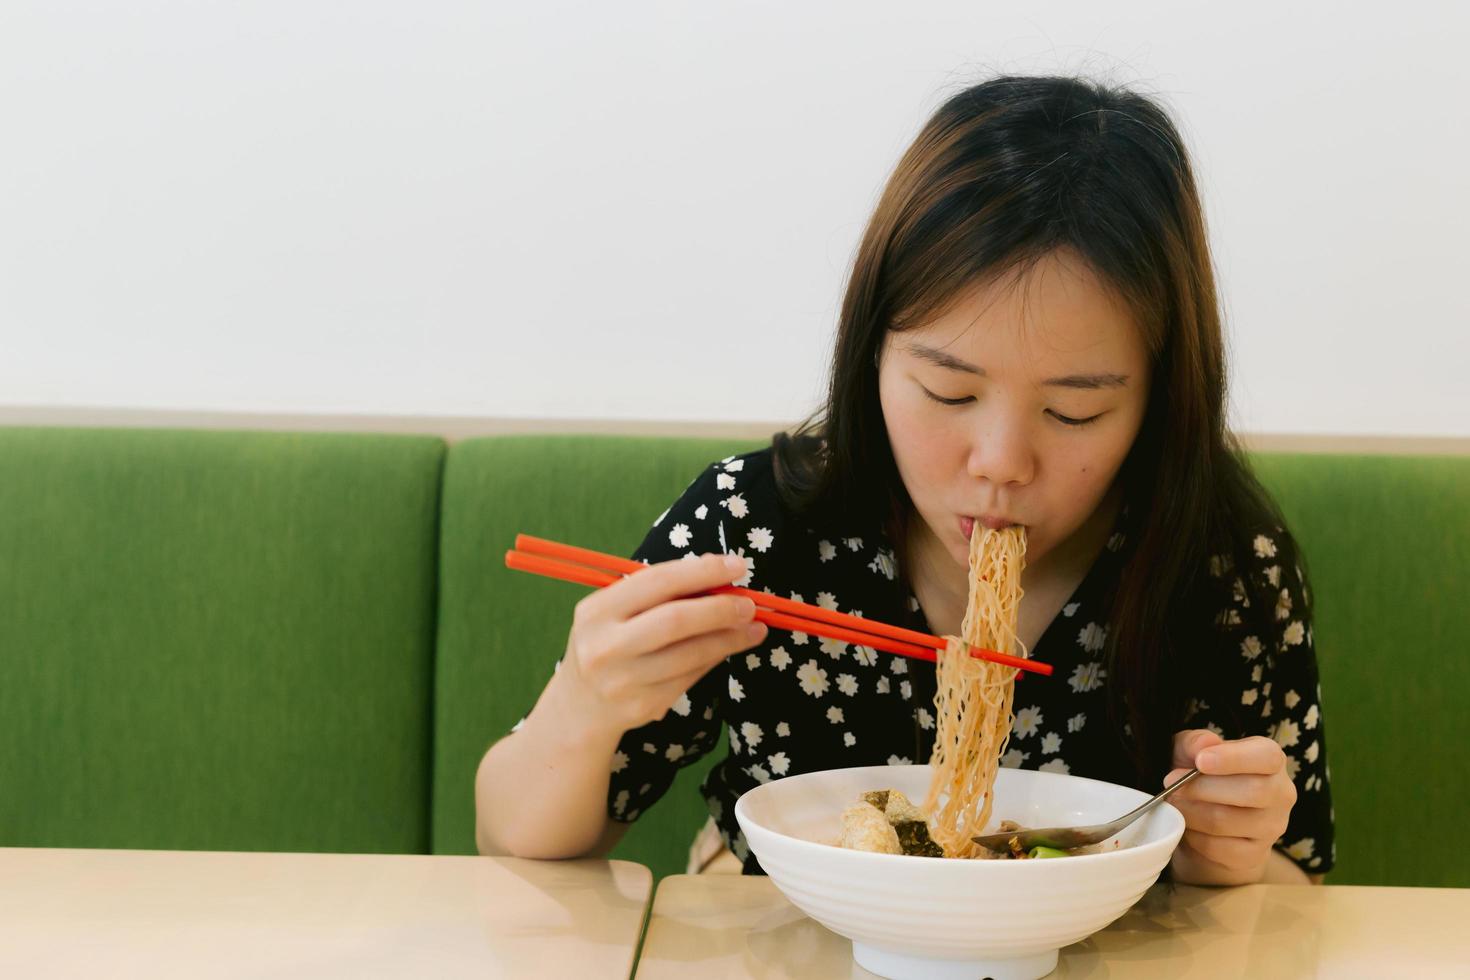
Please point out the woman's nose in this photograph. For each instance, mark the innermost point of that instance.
(1002, 453)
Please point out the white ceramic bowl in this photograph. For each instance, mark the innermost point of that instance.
(911, 917)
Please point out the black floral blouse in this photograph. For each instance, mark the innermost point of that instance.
(798, 703)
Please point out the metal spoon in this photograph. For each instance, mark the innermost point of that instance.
(1067, 838)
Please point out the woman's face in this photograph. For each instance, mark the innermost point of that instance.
(1049, 380)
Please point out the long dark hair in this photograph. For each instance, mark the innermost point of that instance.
(1004, 173)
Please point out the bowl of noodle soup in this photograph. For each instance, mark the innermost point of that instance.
(941, 917)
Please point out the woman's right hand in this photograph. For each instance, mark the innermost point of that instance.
(638, 644)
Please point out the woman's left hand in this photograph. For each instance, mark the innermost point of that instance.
(1234, 811)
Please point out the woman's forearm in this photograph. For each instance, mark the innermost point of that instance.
(541, 791)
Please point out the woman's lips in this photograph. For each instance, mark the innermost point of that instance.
(967, 524)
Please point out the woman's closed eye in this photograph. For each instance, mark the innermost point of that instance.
(966, 399)
(1075, 423)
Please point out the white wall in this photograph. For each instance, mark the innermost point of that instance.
(646, 210)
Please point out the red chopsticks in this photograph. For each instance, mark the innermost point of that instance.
(572, 564)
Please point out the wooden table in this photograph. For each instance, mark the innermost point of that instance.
(731, 926)
(150, 914)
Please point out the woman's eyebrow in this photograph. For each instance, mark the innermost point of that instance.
(947, 360)
(1091, 381)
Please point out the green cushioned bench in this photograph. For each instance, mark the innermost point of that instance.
(305, 642)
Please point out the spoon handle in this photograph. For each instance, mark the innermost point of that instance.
(1160, 798)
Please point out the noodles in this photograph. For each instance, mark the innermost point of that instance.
(973, 703)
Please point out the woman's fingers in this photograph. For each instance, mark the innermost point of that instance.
(1224, 820)
(682, 619)
(1255, 755)
(1242, 791)
(658, 584)
(696, 655)
(1227, 852)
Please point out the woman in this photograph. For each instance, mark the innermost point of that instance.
(1030, 336)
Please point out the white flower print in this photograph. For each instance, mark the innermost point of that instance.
(660, 518)
(899, 665)
(1265, 547)
(1093, 637)
(736, 505)
(847, 684)
(866, 656)
(883, 685)
(1055, 765)
(1070, 609)
(1051, 743)
(780, 659)
(849, 739)
(779, 763)
(1014, 759)
(759, 774)
(906, 690)
(800, 639)
(620, 802)
(1250, 648)
(1087, 677)
(834, 715)
(833, 648)
(702, 511)
(782, 729)
(1310, 721)
(741, 849)
(1237, 592)
(1026, 722)
(674, 753)
(724, 482)
(734, 465)
(1292, 767)
(827, 601)
(826, 550)
(737, 690)
(1302, 849)
(1293, 634)
(1311, 753)
(752, 734)
(1256, 675)
(853, 544)
(1292, 699)
(883, 564)
(681, 707)
(1286, 733)
(926, 720)
(744, 580)
(734, 742)
(1283, 606)
(1273, 575)
(1075, 723)
(813, 678)
(650, 748)
(760, 539)
(619, 761)
(752, 661)
(1249, 697)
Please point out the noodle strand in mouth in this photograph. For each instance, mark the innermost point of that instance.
(974, 698)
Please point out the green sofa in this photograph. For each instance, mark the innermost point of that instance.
(287, 641)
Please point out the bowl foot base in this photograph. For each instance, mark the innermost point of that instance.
(904, 966)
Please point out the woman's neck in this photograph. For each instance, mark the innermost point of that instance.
(943, 588)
